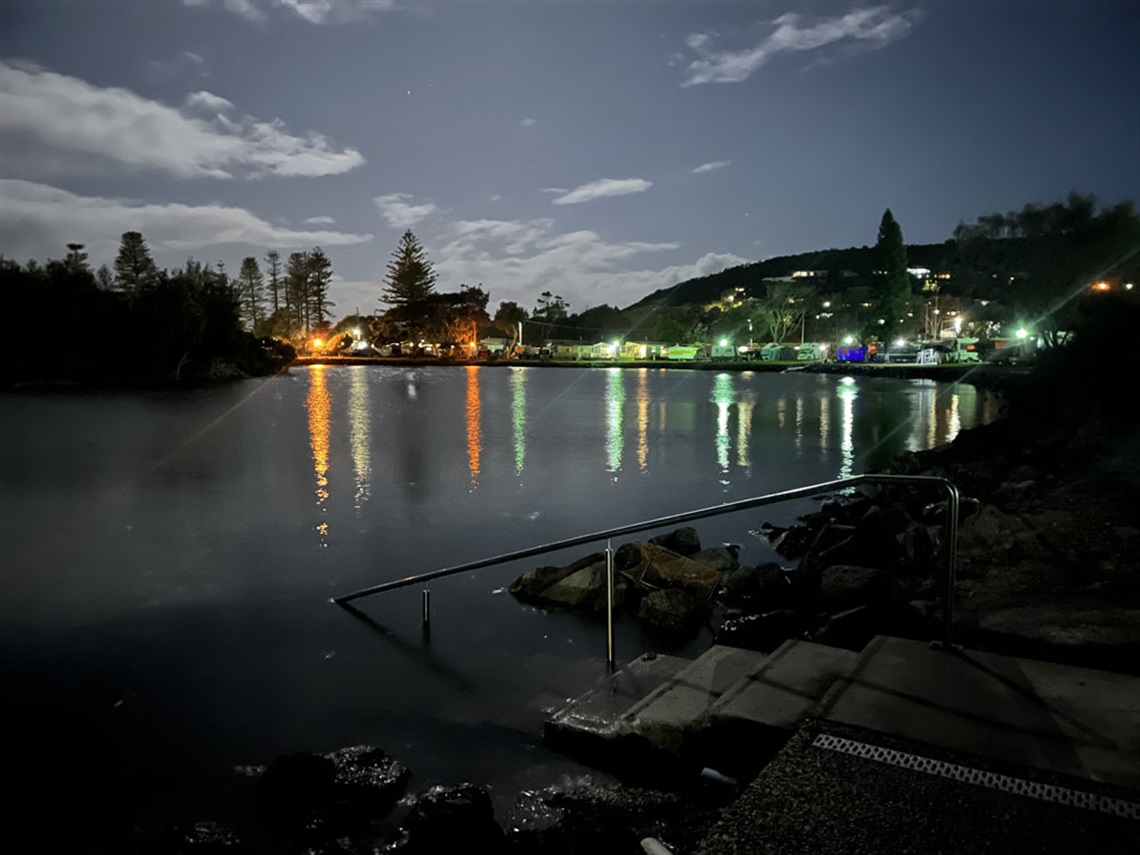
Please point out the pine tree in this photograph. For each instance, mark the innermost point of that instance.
(297, 292)
(134, 268)
(320, 277)
(273, 272)
(76, 261)
(892, 284)
(410, 278)
(251, 291)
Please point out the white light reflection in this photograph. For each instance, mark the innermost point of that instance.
(615, 402)
(744, 433)
(723, 396)
(847, 393)
(360, 436)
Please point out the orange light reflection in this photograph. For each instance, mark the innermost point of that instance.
(474, 434)
(319, 406)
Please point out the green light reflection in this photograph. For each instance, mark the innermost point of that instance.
(723, 396)
(518, 416)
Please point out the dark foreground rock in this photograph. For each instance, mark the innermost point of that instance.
(457, 818)
(318, 797)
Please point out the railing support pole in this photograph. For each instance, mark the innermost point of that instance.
(427, 607)
(609, 604)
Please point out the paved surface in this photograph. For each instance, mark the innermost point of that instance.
(900, 748)
(815, 801)
(1056, 718)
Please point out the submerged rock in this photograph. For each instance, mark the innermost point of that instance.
(683, 541)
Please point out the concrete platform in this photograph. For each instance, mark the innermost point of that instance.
(1056, 718)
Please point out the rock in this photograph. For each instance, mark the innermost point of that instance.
(918, 550)
(531, 584)
(317, 798)
(671, 611)
(656, 567)
(296, 785)
(846, 586)
(369, 775)
(721, 559)
(765, 582)
(458, 818)
(683, 541)
(989, 531)
(1025, 472)
(763, 632)
(852, 629)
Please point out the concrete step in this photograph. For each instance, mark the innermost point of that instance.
(721, 709)
(591, 726)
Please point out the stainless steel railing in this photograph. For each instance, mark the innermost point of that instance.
(952, 507)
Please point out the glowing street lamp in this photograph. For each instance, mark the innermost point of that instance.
(1022, 333)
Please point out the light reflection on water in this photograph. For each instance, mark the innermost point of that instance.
(518, 416)
(197, 590)
(474, 428)
(360, 426)
(319, 406)
(615, 402)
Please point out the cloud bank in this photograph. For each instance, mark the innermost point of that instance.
(38, 220)
(312, 11)
(62, 124)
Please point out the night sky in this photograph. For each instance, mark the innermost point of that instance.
(600, 150)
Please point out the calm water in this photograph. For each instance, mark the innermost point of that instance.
(167, 558)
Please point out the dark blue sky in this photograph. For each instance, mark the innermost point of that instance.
(598, 150)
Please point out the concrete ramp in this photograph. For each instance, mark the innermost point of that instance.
(728, 705)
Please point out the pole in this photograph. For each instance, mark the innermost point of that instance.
(609, 604)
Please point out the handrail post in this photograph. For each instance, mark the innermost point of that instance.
(610, 604)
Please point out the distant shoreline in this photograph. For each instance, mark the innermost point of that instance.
(989, 376)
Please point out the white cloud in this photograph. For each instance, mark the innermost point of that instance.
(517, 260)
(51, 118)
(323, 220)
(399, 213)
(313, 11)
(209, 101)
(600, 188)
(528, 123)
(863, 29)
(37, 220)
(496, 198)
(711, 166)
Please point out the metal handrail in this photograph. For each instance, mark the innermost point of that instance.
(952, 507)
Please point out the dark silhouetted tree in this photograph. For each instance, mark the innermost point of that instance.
(273, 282)
(507, 318)
(892, 282)
(297, 293)
(320, 277)
(134, 268)
(410, 278)
(251, 293)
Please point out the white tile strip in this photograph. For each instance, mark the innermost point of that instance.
(982, 778)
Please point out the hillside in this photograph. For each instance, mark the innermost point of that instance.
(857, 260)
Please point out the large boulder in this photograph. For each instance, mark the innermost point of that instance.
(683, 541)
(458, 818)
(765, 583)
(671, 611)
(989, 531)
(531, 584)
(315, 797)
(722, 559)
